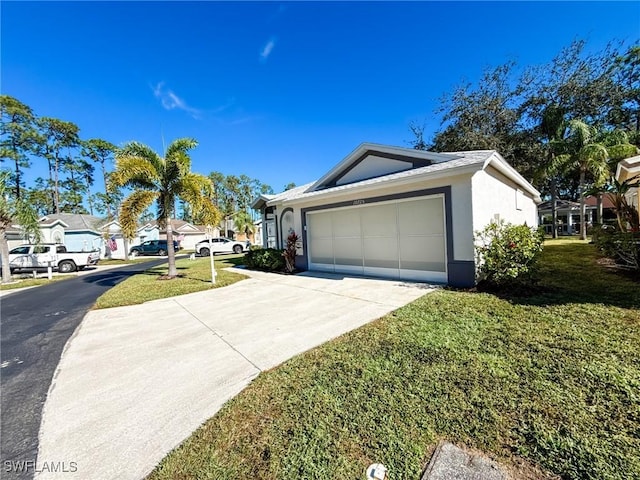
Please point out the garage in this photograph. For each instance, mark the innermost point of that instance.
(400, 213)
(394, 239)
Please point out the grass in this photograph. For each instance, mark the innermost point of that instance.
(29, 281)
(547, 384)
(195, 276)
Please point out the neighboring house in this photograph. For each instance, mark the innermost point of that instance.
(15, 236)
(568, 213)
(185, 233)
(399, 213)
(627, 170)
(76, 231)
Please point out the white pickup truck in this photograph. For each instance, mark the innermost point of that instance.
(38, 257)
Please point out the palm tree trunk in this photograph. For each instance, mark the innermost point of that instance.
(173, 271)
(583, 220)
(600, 219)
(4, 253)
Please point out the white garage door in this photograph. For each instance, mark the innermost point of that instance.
(398, 239)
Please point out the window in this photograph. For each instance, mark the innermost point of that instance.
(19, 251)
(519, 199)
(41, 249)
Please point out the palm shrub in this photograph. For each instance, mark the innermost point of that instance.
(507, 254)
(289, 253)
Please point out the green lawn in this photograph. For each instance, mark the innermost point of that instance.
(194, 276)
(22, 280)
(548, 383)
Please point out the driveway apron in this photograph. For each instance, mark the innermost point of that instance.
(134, 382)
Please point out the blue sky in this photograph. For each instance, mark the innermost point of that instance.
(279, 91)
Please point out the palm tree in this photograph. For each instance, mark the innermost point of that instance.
(590, 151)
(244, 223)
(552, 128)
(161, 180)
(625, 214)
(14, 210)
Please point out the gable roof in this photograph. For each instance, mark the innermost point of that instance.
(404, 159)
(181, 226)
(73, 222)
(442, 165)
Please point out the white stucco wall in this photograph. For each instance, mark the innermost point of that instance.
(494, 197)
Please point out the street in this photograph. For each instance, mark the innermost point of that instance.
(35, 325)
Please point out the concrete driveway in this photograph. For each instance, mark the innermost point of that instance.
(134, 382)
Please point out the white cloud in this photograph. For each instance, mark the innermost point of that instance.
(171, 101)
(267, 49)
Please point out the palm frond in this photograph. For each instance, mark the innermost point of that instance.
(177, 154)
(622, 151)
(134, 171)
(137, 149)
(132, 207)
(593, 158)
(580, 133)
(196, 190)
(613, 137)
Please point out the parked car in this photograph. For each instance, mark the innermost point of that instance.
(38, 257)
(220, 245)
(152, 247)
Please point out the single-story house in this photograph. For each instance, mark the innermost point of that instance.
(399, 213)
(185, 233)
(78, 232)
(626, 170)
(568, 213)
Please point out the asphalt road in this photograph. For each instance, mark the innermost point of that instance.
(35, 325)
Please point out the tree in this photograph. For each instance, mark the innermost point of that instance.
(589, 152)
(626, 214)
(57, 135)
(76, 185)
(626, 110)
(17, 137)
(163, 181)
(244, 223)
(101, 152)
(289, 186)
(552, 129)
(14, 210)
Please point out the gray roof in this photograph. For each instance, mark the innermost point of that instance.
(458, 160)
(75, 221)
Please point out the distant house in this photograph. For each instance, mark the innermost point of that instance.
(185, 233)
(569, 214)
(78, 232)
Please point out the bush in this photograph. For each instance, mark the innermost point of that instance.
(269, 259)
(507, 254)
(623, 247)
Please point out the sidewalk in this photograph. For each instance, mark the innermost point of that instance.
(134, 382)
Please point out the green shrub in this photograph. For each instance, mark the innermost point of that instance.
(269, 259)
(507, 254)
(623, 247)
